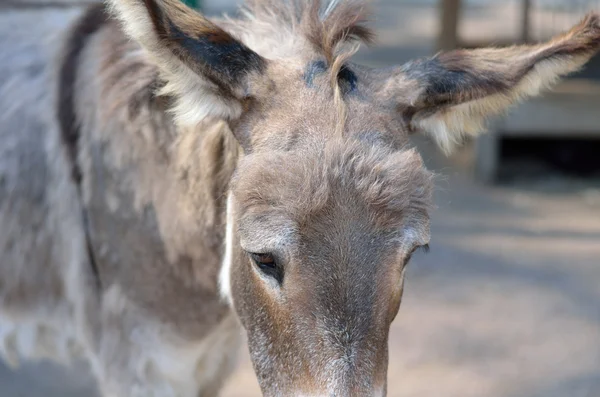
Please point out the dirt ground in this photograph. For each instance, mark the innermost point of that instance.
(506, 304)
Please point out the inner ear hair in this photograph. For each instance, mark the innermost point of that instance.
(458, 90)
(206, 70)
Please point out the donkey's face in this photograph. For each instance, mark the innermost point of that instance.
(325, 222)
(325, 235)
(328, 202)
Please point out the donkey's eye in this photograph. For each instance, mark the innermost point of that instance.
(424, 248)
(263, 259)
(268, 265)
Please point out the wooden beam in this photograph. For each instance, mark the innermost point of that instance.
(450, 19)
(525, 20)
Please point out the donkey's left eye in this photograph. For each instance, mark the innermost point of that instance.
(268, 266)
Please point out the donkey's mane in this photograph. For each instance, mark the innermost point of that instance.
(306, 30)
(291, 28)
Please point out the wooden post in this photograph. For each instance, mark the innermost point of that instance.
(450, 18)
(525, 20)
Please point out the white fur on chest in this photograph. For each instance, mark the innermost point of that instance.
(193, 367)
(140, 357)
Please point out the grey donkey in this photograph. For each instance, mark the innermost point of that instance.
(169, 182)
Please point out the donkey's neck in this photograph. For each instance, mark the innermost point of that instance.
(159, 189)
(119, 104)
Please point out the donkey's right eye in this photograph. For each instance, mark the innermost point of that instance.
(424, 248)
(268, 266)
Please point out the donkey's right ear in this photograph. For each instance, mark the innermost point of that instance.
(208, 71)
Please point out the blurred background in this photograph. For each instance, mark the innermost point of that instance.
(507, 303)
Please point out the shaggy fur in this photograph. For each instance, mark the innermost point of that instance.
(464, 88)
(138, 175)
(325, 26)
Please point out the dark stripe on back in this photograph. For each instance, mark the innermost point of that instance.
(90, 23)
(92, 20)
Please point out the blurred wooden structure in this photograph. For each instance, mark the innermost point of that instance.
(525, 20)
(450, 18)
(571, 110)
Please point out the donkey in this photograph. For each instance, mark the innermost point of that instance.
(167, 181)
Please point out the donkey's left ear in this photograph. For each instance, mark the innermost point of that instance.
(207, 71)
(451, 95)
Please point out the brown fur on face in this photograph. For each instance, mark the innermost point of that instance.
(310, 196)
(391, 184)
(344, 212)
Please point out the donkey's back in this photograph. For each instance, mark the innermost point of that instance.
(41, 239)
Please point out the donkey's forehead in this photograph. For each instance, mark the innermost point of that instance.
(346, 77)
(316, 76)
(392, 186)
(300, 107)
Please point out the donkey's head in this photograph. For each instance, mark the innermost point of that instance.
(328, 201)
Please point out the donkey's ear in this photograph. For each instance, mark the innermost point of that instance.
(208, 71)
(450, 95)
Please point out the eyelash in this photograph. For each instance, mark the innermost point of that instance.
(425, 248)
